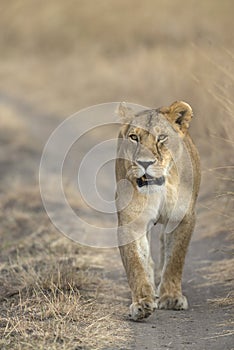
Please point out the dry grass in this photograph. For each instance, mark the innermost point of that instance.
(219, 272)
(50, 311)
(225, 328)
(63, 56)
(228, 300)
(53, 292)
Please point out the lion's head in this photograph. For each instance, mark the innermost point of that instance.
(151, 143)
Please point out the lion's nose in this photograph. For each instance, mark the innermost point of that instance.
(145, 164)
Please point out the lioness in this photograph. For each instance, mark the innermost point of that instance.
(153, 186)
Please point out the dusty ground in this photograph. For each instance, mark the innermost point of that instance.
(57, 58)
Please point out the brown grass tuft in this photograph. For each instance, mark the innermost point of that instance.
(228, 300)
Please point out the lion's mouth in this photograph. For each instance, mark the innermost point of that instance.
(147, 180)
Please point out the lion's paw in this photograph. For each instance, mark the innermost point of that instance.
(142, 309)
(172, 302)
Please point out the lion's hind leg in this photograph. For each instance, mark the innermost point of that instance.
(176, 244)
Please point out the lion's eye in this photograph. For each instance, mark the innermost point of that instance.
(162, 138)
(133, 137)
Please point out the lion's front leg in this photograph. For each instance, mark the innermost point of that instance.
(176, 243)
(139, 268)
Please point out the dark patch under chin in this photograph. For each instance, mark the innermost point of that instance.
(147, 180)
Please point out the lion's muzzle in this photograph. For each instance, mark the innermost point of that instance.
(147, 180)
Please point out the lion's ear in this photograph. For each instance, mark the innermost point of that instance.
(125, 113)
(180, 114)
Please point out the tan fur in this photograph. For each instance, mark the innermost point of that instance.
(154, 204)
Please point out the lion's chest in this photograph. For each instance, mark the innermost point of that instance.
(154, 207)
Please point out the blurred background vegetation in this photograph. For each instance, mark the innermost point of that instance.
(60, 56)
